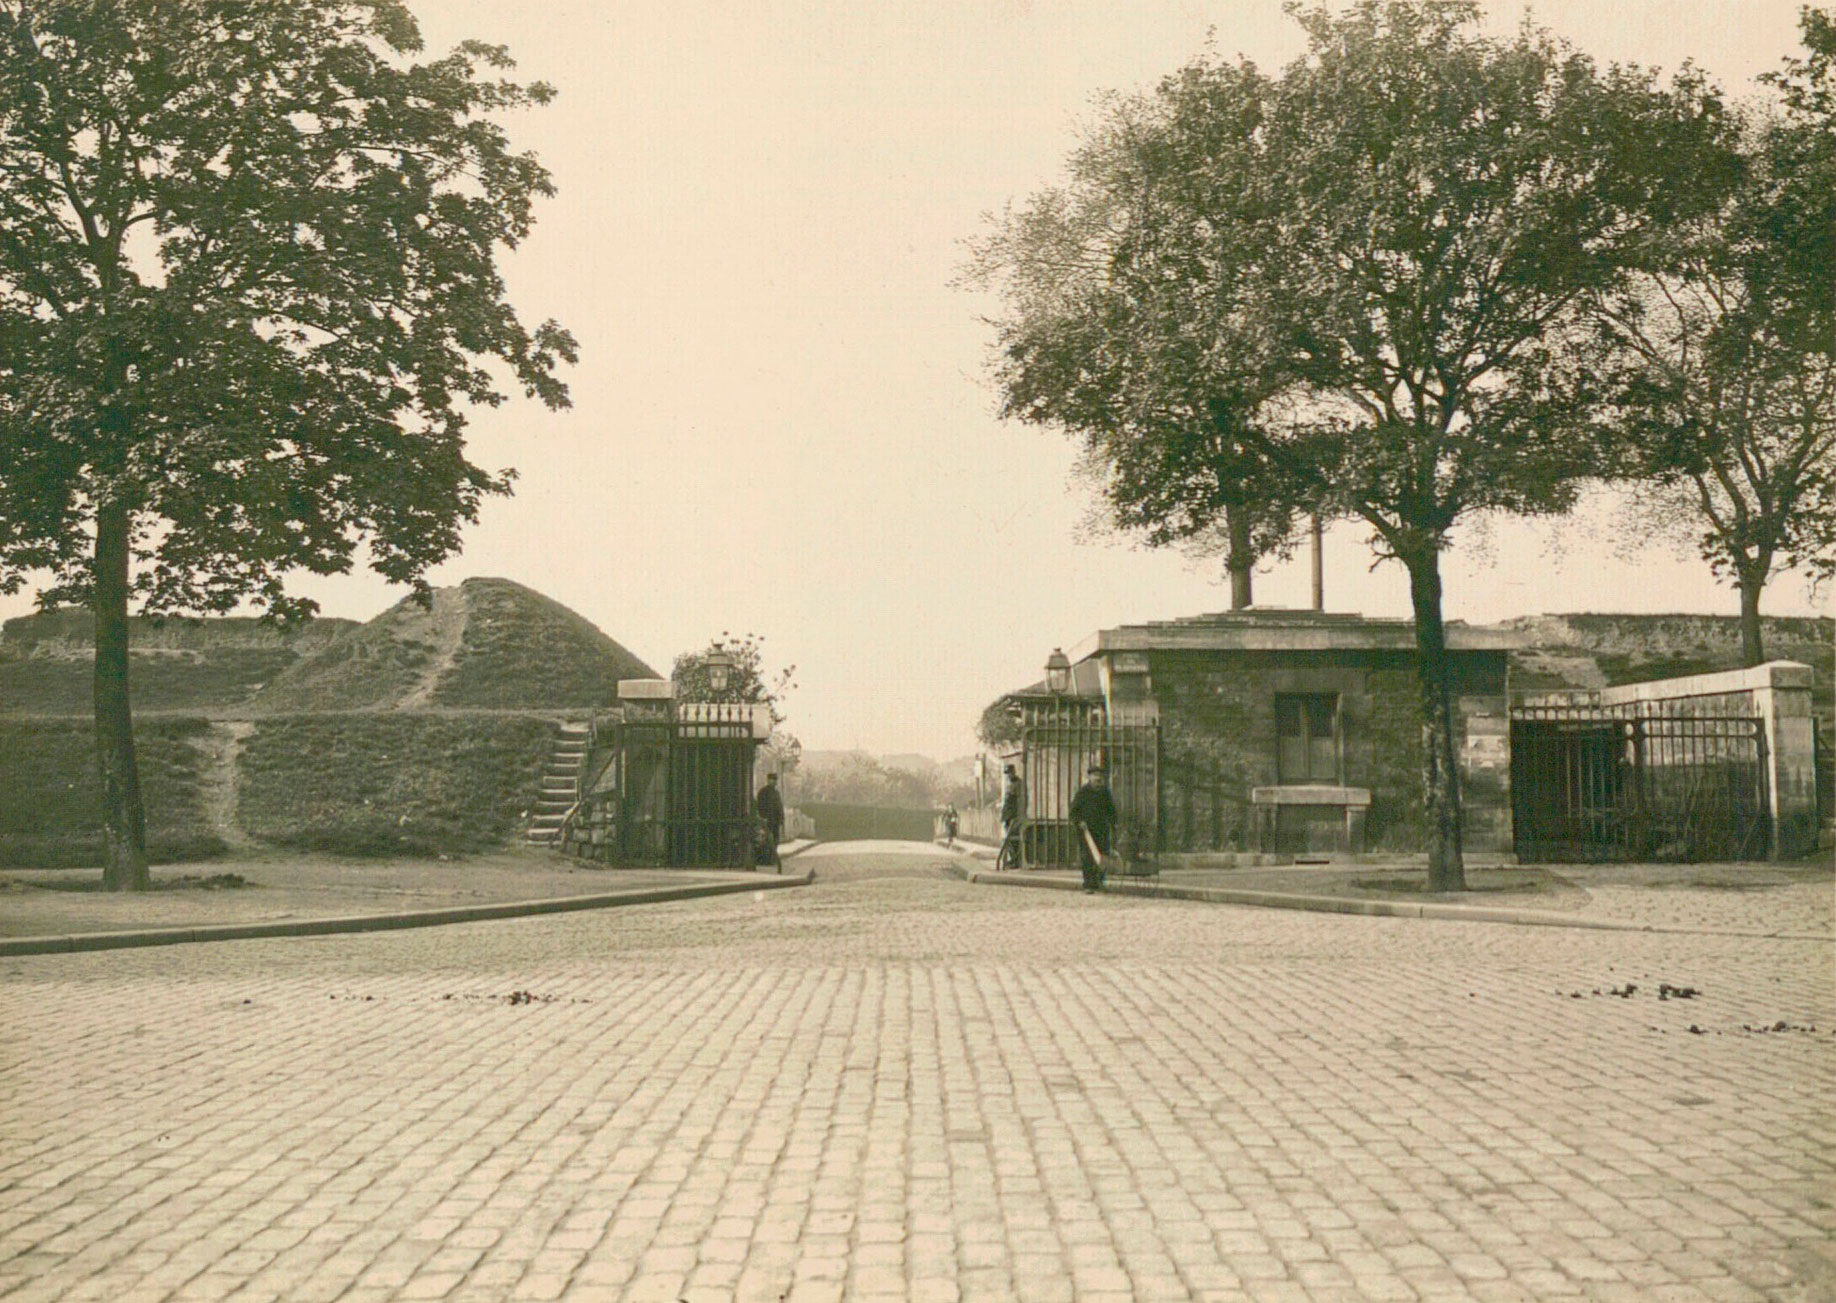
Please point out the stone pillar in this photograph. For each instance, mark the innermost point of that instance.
(1784, 702)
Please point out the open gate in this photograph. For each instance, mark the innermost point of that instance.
(1594, 783)
(1059, 742)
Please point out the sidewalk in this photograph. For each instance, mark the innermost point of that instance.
(44, 910)
(1761, 900)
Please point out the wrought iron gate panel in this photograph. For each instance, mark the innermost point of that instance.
(674, 789)
(710, 786)
(1645, 781)
(1059, 743)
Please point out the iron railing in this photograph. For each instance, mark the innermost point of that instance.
(1639, 781)
(1059, 743)
(671, 791)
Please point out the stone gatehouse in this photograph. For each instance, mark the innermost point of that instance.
(1297, 731)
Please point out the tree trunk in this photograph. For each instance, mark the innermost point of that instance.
(1752, 651)
(124, 819)
(1440, 758)
(1240, 560)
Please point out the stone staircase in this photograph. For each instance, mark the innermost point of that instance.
(561, 780)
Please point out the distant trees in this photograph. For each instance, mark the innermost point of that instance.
(1724, 353)
(859, 779)
(1364, 282)
(248, 296)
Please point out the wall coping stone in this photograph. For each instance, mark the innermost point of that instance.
(1772, 674)
(1285, 631)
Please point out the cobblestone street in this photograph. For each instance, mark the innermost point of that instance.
(893, 1084)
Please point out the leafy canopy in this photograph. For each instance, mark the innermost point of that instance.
(1122, 328)
(248, 291)
(1354, 287)
(1443, 204)
(1725, 350)
(748, 681)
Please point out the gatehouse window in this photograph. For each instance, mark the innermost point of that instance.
(1307, 733)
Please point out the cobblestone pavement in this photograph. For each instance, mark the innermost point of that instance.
(896, 1085)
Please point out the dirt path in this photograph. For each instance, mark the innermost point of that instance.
(221, 746)
(444, 627)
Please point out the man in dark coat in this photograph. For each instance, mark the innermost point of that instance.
(1093, 814)
(1013, 811)
(771, 809)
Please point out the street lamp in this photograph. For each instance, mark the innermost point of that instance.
(1058, 672)
(720, 668)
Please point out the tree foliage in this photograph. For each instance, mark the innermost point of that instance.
(1377, 263)
(859, 779)
(1120, 297)
(1724, 354)
(248, 298)
(748, 682)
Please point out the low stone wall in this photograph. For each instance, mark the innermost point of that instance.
(839, 822)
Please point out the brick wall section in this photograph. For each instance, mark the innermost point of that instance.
(1217, 712)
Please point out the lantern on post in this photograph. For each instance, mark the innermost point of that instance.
(719, 665)
(1058, 672)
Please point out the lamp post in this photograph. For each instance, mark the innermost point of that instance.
(1058, 672)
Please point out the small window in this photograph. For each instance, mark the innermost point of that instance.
(1307, 730)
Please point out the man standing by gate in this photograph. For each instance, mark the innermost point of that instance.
(771, 809)
(1093, 814)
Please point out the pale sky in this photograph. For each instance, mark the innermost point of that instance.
(782, 422)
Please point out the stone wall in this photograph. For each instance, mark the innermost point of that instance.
(1218, 728)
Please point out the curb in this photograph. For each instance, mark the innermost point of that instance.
(308, 927)
(1377, 908)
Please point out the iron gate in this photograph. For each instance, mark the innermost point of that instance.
(1632, 782)
(1059, 743)
(710, 786)
(670, 788)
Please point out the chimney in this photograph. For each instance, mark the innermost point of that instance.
(1319, 567)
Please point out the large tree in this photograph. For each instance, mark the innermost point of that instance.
(1119, 302)
(1725, 355)
(1393, 240)
(248, 294)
